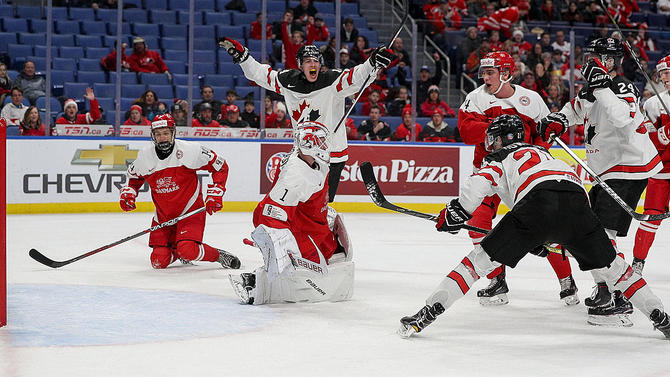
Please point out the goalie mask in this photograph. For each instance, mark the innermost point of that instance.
(501, 61)
(605, 49)
(160, 122)
(509, 128)
(311, 139)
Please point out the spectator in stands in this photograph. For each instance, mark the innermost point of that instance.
(425, 80)
(548, 12)
(494, 41)
(249, 114)
(178, 112)
(535, 55)
(400, 100)
(502, 20)
(471, 42)
(32, 85)
(472, 62)
(440, 19)
(70, 111)
(144, 60)
(434, 102)
(269, 110)
(291, 24)
(348, 32)
(345, 61)
(403, 132)
(162, 108)
(374, 128)
(233, 119)
(361, 50)
(400, 52)
(108, 62)
(541, 77)
(256, 27)
(663, 6)
(149, 104)
(476, 8)
(291, 43)
(529, 81)
(352, 132)
(32, 123)
(136, 117)
(204, 118)
(236, 5)
(520, 45)
(373, 100)
(572, 14)
(5, 83)
(317, 30)
(436, 130)
(553, 96)
(303, 11)
(545, 41)
(231, 97)
(328, 53)
(644, 42)
(278, 118)
(560, 44)
(556, 61)
(519, 68)
(14, 110)
(593, 13)
(207, 96)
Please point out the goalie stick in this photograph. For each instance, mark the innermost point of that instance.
(36, 255)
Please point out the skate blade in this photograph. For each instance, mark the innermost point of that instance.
(238, 288)
(614, 320)
(571, 300)
(496, 300)
(405, 331)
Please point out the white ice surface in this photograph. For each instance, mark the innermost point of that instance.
(399, 261)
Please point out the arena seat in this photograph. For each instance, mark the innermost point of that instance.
(162, 16)
(173, 31)
(127, 78)
(93, 28)
(162, 91)
(82, 14)
(67, 27)
(15, 25)
(96, 52)
(214, 18)
(182, 17)
(91, 77)
(144, 29)
(104, 90)
(154, 79)
(76, 52)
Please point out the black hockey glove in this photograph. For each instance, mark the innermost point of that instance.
(235, 49)
(596, 75)
(381, 57)
(554, 123)
(452, 218)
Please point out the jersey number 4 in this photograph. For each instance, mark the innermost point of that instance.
(529, 158)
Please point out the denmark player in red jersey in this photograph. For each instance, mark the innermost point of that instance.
(170, 168)
(303, 241)
(495, 97)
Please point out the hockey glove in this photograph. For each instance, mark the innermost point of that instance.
(214, 200)
(596, 75)
(381, 57)
(452, 218)
(235, 49)
(128, 195)
(663, 134)
(554, 123)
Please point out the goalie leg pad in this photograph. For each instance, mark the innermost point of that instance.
(276, 246)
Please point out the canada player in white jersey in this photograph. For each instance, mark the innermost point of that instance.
(312, 95)
(497, 96)
(658, 189)
(548, 204)
(305, 247)
(618, 149)
(170, 168)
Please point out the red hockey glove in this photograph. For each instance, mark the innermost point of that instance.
(128, 195)
(214, 200)
(381, 57)
(596, 75)
(452, 218)
(554, 123)
(663, 134)
(235, 49)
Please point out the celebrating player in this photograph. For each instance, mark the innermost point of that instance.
(548, 204)
(497, 96)
(304, 243)
(658, 188)
(312, 95)
(618, 150)
(170, 168)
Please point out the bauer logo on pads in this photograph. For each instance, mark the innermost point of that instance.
(107, 157)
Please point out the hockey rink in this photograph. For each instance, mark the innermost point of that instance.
(112, 315)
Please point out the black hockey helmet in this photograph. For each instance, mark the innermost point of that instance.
(606, 48)
(308, 51)
(510, 128)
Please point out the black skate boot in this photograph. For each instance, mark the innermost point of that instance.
(638, 265)
(414, 324)
(661, 322)
(495, 293)
(242, 285)
(600, 297)
(615, 313)
(228, 260)
(569, 291)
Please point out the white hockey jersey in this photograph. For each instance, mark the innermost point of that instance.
(321, 101)
(512, 172)
(659, 118)
(615, 134)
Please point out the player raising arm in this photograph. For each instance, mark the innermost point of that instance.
(170, 168)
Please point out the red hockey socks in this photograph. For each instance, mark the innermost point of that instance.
(560, 265)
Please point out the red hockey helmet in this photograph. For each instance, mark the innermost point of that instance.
(500, 60)
(663, 64)
(163, 121)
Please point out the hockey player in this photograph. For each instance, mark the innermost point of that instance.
(548, 204)
(658, 188)
(619, 151)
(495, 97)
(303, 241)
(311, 94)
(170, 168)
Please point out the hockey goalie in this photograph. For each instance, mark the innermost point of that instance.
(306, 252)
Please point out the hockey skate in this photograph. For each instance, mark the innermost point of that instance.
(638, 265)
(185, 262)
(601, 296)
(228, 260)
(569, 291)
(615, 313)
(661, 322)
(414, 324)
(242, 285)
(495, 293)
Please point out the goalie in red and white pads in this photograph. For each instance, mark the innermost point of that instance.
(306, 252)
(170, 168)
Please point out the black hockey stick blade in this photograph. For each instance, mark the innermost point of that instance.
(36, 255)
(375, 192)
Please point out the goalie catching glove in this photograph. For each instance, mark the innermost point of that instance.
(554, 123)
(452, 218)
(127, 201)
(214, 200)
(381, 57)
(596, 75)
(235, 49)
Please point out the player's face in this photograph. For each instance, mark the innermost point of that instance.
(665, 78)
(310, 67)
(162, 135)
(491, 78)
(607, 61)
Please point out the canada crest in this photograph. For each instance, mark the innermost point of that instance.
(301, 114)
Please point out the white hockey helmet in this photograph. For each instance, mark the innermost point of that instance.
(311, 139)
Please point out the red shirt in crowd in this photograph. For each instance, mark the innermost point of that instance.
(87, 118)
(255, 30)
(148, 61)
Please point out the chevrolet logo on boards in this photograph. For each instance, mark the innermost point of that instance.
(108, 157)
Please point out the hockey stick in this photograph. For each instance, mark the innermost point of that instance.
(608, 189)
(378, 198)
(365, 83)
(36, 255)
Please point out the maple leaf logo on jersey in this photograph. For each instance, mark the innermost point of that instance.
(590, 134)
(298, 113)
